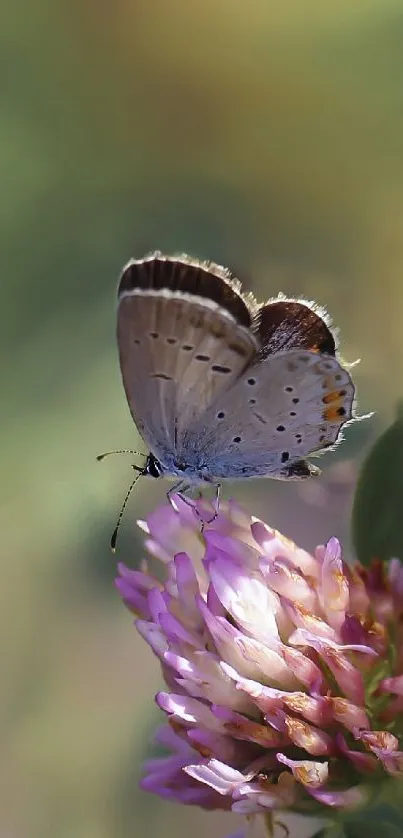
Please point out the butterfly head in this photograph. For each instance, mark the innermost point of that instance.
(152, 468)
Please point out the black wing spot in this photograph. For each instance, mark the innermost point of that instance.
(295, 401)
(338, 377)
(187, 347)
(221, 369)
(280, 428)
(202, 357)
(252, 401)
(285, 456)
(251, 381)
(154, 335)
(236, 439)
(162, 376)
(292, 413)
(172, 341)
(220, 414)
(288, 389)
(136, 341)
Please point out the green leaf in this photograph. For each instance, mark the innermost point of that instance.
(381, 820)
(386, 813)
(377, 521)
(330, 832)
(371, 829)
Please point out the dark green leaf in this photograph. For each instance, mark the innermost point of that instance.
(333, 831)
(385, 813)
(371, 829)
(381, 820)
(377, 522)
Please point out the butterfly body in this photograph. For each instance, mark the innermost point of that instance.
(220, 387)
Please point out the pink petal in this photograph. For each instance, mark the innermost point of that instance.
(348, 714)
(392, 685)
(347, 799)
(311, 739)
(311, 774)
(188, 710)
(217, 775)
(238, 726)
(334, 592)
(230, 547)
(365, 763)
(316, 709)
(154, 636)
(246, 598)
(307, 621)
(286, 580)
(177, 633)
(304, 670)
(224, 748)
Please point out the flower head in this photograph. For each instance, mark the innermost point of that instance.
(284, 670)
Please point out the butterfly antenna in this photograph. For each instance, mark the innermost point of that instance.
(123, 507)
(123, 451)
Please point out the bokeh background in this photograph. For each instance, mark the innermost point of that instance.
(264, 135)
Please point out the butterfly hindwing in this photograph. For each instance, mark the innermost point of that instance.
(283, 325)
(280, 410)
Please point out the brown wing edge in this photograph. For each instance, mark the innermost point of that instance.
(285, 324)
(183, 274)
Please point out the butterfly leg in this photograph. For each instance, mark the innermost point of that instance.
(216, 505)
(179, 489)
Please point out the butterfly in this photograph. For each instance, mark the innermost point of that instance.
(220, 386)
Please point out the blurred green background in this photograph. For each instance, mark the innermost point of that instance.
(264, 135)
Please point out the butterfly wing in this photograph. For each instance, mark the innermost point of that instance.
(184, 338)
(285, 324)
(280, 410)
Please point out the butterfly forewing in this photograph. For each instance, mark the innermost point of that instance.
(177, 353)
